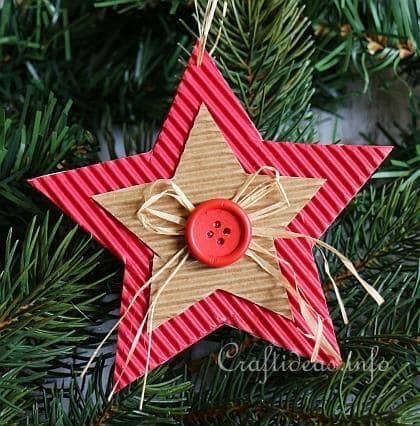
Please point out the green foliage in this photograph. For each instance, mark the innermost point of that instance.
(126, 5)
(88, 403)
(35, 141)
(358, 39)
(392, 328)
(47, 295)
(265, 54)
(76, 51)
(13, 397)
(405, 161)
(348, 397)
(381, 230)
(369, 388)
(353, 40)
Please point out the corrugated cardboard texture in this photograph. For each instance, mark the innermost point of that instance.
(208, 169)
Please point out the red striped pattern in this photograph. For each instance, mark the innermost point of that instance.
(346, 169)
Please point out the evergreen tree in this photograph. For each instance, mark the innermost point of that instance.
(73, 74)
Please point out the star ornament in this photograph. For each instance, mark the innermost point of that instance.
(208, 147)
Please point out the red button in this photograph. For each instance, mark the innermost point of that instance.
(218, 232)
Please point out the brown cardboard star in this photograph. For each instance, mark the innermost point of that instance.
(208, 169)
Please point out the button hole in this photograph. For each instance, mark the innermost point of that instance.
(217, 224)
(226, 231)
(220, 241)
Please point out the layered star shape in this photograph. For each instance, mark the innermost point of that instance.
(203, 175)
(338, 171)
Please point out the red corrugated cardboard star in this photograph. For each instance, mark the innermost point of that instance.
(344, 168)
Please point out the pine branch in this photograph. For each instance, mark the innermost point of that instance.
(359, 39)
(353, 39)
(393, 326)
(126, 5)
(405, 161)
(34, 142)
(47, 294)
(119, 69)
(13, 397)
(379, 231)
(265, 54)
(87, 400)
(349, 395)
